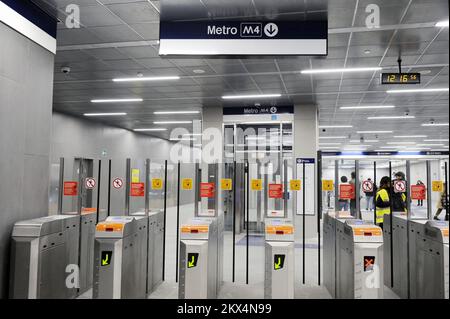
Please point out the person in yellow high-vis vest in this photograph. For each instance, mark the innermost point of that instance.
(382, 201)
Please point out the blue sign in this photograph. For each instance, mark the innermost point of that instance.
(306, 160)
(243, 37)
(273, 110)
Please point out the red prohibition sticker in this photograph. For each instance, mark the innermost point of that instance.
(70, 188)
(117, 183)
(275, 190)
(137, 189)
(207, 190)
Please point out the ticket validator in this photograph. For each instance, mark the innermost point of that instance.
(279, 259)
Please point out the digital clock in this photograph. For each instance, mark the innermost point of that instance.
(400, 78)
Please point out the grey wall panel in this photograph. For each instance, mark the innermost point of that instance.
(26, 85)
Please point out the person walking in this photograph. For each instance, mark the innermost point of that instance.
(382, 201)
(442, 204)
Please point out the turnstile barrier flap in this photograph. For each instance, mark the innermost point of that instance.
(43, 226)
(437, 230)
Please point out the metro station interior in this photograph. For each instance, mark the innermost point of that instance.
(212, 149)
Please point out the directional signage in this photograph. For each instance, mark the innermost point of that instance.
(223, 37)
(89, 183)
(247, 110)
(278, 261)
(106, 258)
(192, 260)
(117, 183)
(399, 186)
(157, 183)
(367, 186)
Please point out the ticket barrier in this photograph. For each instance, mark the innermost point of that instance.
(120, 255)
(360, 273)
(333, 223)
(279, 259)
(41, 250)
(154, 263)
(200, 268)
(432, 261)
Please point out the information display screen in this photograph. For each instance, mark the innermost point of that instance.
(400, 78)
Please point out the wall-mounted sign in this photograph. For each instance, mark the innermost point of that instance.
(418, 192)
(70, 188)
(186, 184)
(306, 160)
(346, 191)
(437, 186)
(117, 183)
(222, 37)
(275, 190)
(226, 184)
(135, 175)
(399, 186)
(367, 186)
(327, 185)
(207, 190)
(400, 78)
(89, 183)
(256, 184)
(137, 189)
(157, 183)
(295, 184)
(257, 110)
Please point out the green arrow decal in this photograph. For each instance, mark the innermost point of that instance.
(105, 261)
(106, 258)
(191, 262)
(278, 264)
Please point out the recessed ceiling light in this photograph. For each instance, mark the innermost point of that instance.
(153, 78)
(116, 100)
(252, 96)
(330, 143)
(317, 71)
(374, 132)
(149, 129)
(391, 117)
(367, 107)
(418, 90)
(105, 114)
(176, 112)
(442, 24)
(367, 51)
(172, 122)
(435, 124)
(335, 126)
(364, 141)
(430, 144)
(425, 72)
(198, 71)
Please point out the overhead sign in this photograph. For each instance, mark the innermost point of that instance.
(117, 183)
(89, 183)
(137, 189)
(275, 190)
(70, 188)
(418, 192)
(106, 258)
(387, 153)
(400, 78)
(256, 184)
(399, 186)
(367, 186)
(278, 261)
(347, 191)
(226, 184)
(243, 37)
(306, 160)
(286, 109)
(157, 183)
(207, 190)
(437, 186)
(327, 185)
(295, 184)
(186, 184)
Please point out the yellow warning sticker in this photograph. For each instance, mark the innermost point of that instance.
(327, 185)
(186, 184)
(226, 184)
(295, 184)
(437, 186)
(256, 185)
(157, 183)
(135, 175)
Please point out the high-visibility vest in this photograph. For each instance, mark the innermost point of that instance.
(381, 211)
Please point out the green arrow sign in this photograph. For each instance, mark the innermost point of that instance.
(106, 258)
(278, 261)
(192, 260)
